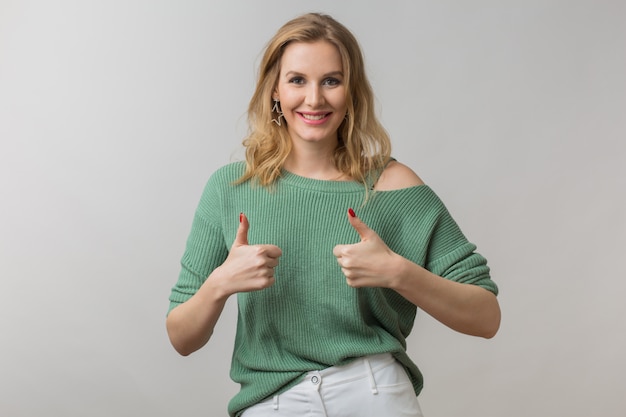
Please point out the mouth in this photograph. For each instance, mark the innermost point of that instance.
(314, 117)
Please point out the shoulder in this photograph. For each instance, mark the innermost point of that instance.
(223, 179)
(397, 176)
(233, 168)
(228, 173)
(220, 184)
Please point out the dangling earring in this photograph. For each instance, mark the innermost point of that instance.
(278, 110)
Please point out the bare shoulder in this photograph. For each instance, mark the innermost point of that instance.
(397, 176)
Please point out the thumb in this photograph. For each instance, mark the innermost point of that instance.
(242, 232)
(361, 228)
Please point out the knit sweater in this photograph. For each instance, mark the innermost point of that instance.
(310, 318)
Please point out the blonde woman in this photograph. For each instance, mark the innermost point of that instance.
(326, 295)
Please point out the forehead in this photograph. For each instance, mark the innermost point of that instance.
(307, 57)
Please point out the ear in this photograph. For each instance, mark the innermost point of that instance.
(275, 95)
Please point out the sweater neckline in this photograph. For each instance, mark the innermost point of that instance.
(320, 185)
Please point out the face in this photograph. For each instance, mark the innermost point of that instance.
(311, 91)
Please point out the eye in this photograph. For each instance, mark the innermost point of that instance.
(331, 82)
(296, 80)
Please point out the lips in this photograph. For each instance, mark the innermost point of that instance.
(314, 117)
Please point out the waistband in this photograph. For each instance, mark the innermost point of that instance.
(359, 368)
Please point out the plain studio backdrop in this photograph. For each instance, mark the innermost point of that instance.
(113, 114)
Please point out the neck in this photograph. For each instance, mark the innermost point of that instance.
(313, 163)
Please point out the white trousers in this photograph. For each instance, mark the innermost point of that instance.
(376, 386)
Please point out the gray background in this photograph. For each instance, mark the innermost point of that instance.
(114, 113)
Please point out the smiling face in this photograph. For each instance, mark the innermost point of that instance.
(312, 92)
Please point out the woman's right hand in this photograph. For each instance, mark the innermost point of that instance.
(247, 267)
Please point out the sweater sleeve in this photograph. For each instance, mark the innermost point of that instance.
(206, 248)
(452, 256)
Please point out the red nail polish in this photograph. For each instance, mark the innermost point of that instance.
(240, 217)
(351, 212)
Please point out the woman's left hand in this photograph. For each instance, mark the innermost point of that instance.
(465, 308)
(368, 263)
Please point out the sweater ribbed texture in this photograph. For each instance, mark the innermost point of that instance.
(310, 318)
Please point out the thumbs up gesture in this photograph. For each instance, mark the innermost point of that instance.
(249, 267)
(369, 262)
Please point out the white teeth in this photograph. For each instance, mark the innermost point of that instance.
(313, 116)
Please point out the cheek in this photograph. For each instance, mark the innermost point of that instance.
(288, 102)
(339, 101)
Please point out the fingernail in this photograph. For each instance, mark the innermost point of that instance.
(351, 212)
(240, 217)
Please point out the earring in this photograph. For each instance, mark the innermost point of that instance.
(278, 110)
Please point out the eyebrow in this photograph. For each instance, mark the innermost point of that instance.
(329, 74)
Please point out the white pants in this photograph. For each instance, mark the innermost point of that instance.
(376, 386)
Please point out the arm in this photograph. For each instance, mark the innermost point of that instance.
(466, 308)
(247, 268)
(190, 325)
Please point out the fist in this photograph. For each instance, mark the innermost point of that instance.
(249, 267)
(366, 263)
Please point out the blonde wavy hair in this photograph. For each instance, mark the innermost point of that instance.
(364, 144)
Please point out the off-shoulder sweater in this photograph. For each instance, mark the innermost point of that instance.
(311, 318)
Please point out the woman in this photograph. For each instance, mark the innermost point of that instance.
(326, 297)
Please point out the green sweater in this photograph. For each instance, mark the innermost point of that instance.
(310, 318)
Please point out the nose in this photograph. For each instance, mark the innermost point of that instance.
(314, 96)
